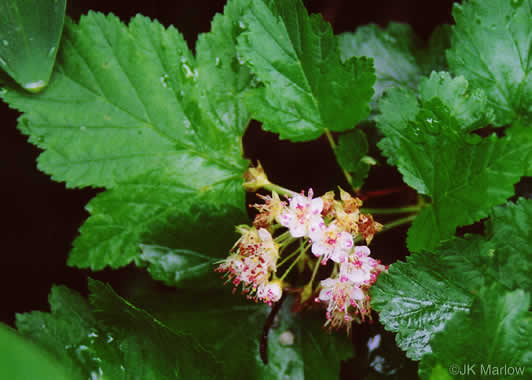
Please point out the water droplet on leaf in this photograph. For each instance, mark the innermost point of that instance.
(35, 86)
(51, 51)
(83, 128)
(218, 62)
(5, 42)
(242, 25)
(164, 80)
(286, 338)
(415, 133)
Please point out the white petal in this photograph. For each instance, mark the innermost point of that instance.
(319, 249)
(298, 201)
(264, 235)
(287, 218)
(357, 294)
(316, 206)
(345, 240)
(316, 228)
(297, 229)
(339, 255)
(325, 295)
(362, 251)
(358, 276)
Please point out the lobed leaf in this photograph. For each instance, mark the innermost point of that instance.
(398, 54)
(416, 299)
(124, 101)
(232, 329)
(157, 210)
(307, 88)
(491, 45)
(464, 174)
(493, 339)
(113, 339)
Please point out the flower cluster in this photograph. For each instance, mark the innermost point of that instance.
(251, 263)
(347, 295)
(326, 227)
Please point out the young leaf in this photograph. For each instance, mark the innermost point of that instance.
(22, 360)
(30, 31)
(350, 152)
(416, 298)
(307, 88)
(154, 209)
(397, 54)
(124, 101)
(114, 339)
(491, 47)
(231, 328)
(464, 174)
(492, 340)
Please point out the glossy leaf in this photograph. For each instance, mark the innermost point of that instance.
(464, 174)
(114, 339)
(21, 359)
(231, 328)
(351, 155)
(491, 46)
(156, 210)
(399, 57)
(176, 267)
(417, 298)
(93, 134)
(30, 31)
(307, 88)
(492, 340)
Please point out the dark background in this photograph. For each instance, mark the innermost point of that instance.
(40, 218)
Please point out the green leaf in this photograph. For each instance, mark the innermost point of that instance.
(464, 174)
(22, 360)
(113, 338)
(222, 80)
(30, 31)
(491, 48)
(469, 107)
(351, 153)
(417, 298)
(399, 57)
(492, 340)
(156, 210)
(180, 267)
(509, 229)
(307, 88)
(124, 101)
(231, 329)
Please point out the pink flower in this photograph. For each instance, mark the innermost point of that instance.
(331, 242)
(270, 292)
(360, 268)
(346, 302)
(252, 264)
(301, 213)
